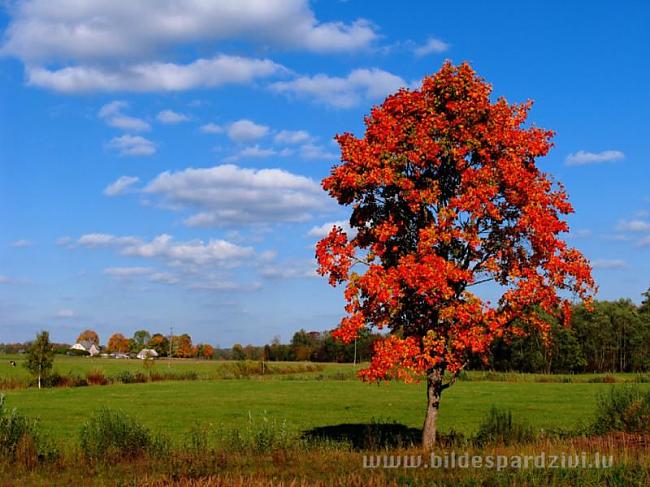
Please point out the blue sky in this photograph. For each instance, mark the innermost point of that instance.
(160, 161)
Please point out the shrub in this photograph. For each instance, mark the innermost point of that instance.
(625, 408)
(604, 379)
(499, 427)
(125, 377)
(110, 434)
(20, 440)
(97, 378)
(257, 436)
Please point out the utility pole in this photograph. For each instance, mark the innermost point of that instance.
(171, 340)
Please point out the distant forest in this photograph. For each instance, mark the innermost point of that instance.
(614, 336)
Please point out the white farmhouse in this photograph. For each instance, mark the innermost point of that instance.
(147, 353)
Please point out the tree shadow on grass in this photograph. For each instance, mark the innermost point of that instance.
(367, 436)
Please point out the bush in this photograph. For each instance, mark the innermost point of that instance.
(73, 352)
(97, 378)
(110, 434)
(257, 436)
(604, 379)
(498, 427)
(625, 409)
(20, 440)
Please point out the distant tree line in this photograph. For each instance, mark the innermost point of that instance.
(304, 346)
(614, 336)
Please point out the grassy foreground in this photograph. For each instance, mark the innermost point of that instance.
(324, 398)
(174, 407)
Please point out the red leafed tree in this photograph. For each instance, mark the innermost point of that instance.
(89, 336)
(446, 196)
(118, 343)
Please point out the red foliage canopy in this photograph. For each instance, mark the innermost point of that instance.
(445, 195)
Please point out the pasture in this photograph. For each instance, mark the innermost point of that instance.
(330, 395)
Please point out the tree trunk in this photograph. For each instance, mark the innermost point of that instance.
(39, 381)
(434, 391)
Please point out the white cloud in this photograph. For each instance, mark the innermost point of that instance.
(163, 278)
(583, 158)
(4, 279)
(219, 253)
(103, 240)
(644, 242)
(246, 131)
(581, 233)
(312, 151)
(113, 114)
(358, 85)
(634, 226)
(292, 137)
(103, 45)
(607, 264)
(153, 76)
(289, 270)
(21, 244)
(432, 45)
(99, 30)
(171, 117)
(228, 194)
(323, 230)
(65, 313)
(132, 145)
(120, 185)
(257, 151)
(127, 272)
(211, 128)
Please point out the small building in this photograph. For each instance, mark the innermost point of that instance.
(147, 353)
(86, 346)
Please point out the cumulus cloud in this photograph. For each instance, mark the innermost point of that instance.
(211, 128)
(60, 30)
(154, 76)
(323, 230)
(607, 264)
(219, 253)
(583, 158)
(634, 226)
(171, 117)
(342, 92)
(313, 151)
(120, 185)
(113, 114)
(228, 194)
(132, 145)
(21, 244)
(432, 45)
(289, 270)
(112, 46)
(102, 240)
(131, 273)
(127, 272)
(246, 131)
(65, 313)
(292, 137)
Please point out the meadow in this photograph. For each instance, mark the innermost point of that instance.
(265, 422)
(329, 395)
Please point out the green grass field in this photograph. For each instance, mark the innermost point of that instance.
(305, 401)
